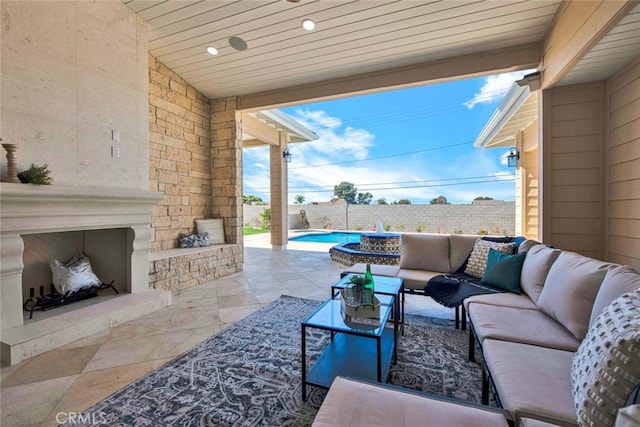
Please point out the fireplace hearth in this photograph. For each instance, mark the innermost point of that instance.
(57, 215)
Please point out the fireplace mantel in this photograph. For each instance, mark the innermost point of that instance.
(27, 208)
(30, 209)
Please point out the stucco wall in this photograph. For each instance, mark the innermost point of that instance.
(496, 217)
(71, 73)
(179, 154)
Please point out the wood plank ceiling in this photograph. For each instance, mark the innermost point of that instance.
(611, 53)
(351, 37)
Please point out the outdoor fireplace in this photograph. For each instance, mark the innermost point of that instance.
(40, 223)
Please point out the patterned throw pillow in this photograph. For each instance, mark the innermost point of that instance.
(606, 366)
(478, 258)
(193, 240)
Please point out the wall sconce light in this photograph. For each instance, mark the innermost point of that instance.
(512, 158)
(287, 155)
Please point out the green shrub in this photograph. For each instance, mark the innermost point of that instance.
(38, 175)
(266, 219)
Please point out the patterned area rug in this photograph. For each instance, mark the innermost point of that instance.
(249, 373)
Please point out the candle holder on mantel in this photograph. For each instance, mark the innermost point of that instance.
(12, 161)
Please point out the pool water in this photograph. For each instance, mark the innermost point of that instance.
(332, 237)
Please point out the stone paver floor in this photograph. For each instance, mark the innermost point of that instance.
(43, 389)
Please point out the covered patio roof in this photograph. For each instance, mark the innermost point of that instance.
(262, 127)
(518, 110)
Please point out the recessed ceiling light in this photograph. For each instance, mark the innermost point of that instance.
(308, 25)
(212, 50)
(237, 43)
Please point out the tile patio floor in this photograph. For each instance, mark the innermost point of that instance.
(76, 376)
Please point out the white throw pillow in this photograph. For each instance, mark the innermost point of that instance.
(606, 367)
(214, 228)
(74, 275)
(478, 258)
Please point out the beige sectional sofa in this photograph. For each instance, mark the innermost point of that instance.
(423, 256)
(566, 351)
(533, 343)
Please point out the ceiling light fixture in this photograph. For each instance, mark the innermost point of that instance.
(308, 24)
(212, 50)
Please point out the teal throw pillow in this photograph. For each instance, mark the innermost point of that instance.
(503, 271)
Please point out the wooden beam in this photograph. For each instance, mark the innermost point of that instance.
(577, 27)
(494, 61)
(254, 142)
(259, 130)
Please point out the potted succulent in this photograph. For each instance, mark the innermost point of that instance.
(38, 175)
(357, 280)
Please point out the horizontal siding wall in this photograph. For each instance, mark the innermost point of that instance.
(623, 204)
(530, 195)
(573, 168)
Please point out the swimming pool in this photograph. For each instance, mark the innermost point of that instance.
(329, 237)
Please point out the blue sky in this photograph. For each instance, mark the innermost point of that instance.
(411, 144)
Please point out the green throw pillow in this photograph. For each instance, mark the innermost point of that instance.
(503, 271)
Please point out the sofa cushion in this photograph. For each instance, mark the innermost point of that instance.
(570, 290)
(526, 245)
(618, 280)
(532, 381)
(628, 416)
(606, 367)
(536, 266)
(424, 252)
(354, 403)
(531, 422)
(521, 326)
(416, 279)
(478, 258)
(460, 246)
(503, 271)
(505, 299)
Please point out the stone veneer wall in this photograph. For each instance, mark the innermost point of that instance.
(194, 167)
(183, 268)
(226, 149)
(494, 216)
(180, 155)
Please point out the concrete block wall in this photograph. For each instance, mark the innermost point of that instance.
(494, 216)
(180, 155)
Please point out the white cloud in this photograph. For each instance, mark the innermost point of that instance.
(316, 168)
(495, 87)
(349, 142)
(317, 118)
